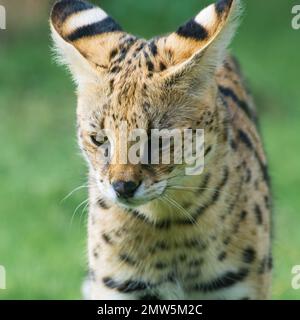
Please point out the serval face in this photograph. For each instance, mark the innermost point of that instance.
(126, 83)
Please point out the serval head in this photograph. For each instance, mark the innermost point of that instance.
(167, 82)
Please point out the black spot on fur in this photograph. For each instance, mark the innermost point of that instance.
(102, 204)
(215, 196)
(164, 224)
(115, 69)
(127, 259)
(224, 281)
(243, 215)
(140, 47)
(213, 237)
(248, 175)
(267, 202)
(113, 53)
(249, 255)
(146, 55)
(228, 92)
(265, 172)
(222, 256)
(270, 262)
(245, 139)
(162, 66)
(128, 286)
(111, 85)
(150, 65)
(204, 184)
(95, 253)
(223, 182)
(182, 257)
(258, 214)
(208, 150)
(195, 243)
(195, 263)
(107, 238)
(153, 48)
(160, 265)
(161, 245)
(233, 145)
(123, 54)
(227, 241)
(193, 30)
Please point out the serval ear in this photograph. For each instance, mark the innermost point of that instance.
(198, 47)
(84, 36)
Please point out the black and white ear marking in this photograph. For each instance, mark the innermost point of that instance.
(203, 25)
(66, 8)
(74, 20)
(84, 36)
(203, 40)
(199, 28)
(96, 28)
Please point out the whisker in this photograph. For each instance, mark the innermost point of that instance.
(180, 208)
(186, 214)
(77, 208)
(73, 191)
(192, 189)
(82, 212)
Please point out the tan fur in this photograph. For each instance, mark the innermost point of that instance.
(211, 239)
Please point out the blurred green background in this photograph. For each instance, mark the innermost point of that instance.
(41, 245)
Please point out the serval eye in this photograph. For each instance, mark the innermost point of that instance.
(97, 142)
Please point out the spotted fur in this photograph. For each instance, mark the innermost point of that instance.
(211, 238)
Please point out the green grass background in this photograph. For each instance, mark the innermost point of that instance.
(42, 249)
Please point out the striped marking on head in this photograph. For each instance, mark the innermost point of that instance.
(75, 19)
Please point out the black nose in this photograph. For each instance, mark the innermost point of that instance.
(125, 189)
